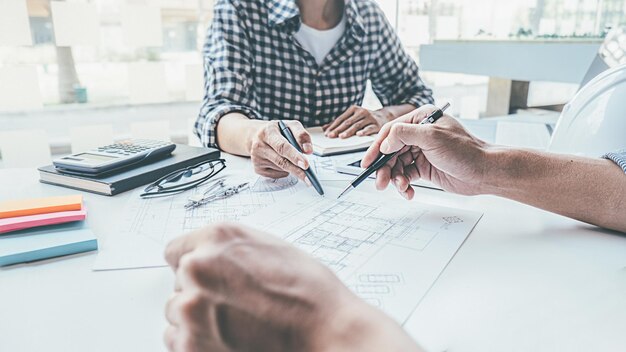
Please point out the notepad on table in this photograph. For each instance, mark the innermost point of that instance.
(29, 221)
(324, 146)
(24, 207)
(46, 242)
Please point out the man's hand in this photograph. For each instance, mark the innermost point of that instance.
(273, 156)
(443, 153)
(241, 290)
(356, 121)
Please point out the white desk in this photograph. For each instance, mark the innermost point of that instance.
(525, 280)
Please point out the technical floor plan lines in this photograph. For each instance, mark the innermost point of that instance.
(264, 184)
(388, 252)
(150, 224)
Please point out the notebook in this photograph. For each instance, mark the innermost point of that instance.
(29, 221)
(324, 146)
(24, 207)
(46, 242)
(183, 156)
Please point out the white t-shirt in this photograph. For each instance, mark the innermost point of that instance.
(320, 43)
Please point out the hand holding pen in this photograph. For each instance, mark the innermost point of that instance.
(310, 175)
(375, 159)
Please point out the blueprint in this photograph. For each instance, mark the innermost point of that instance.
(388, 251)
(325, 167)
(150, 224)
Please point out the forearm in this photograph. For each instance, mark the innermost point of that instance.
(392, 112)
(358, 326)
(586, 189)
(235, 132)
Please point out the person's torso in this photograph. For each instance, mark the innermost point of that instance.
(288, 82)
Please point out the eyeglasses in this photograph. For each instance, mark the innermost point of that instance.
(184, 179)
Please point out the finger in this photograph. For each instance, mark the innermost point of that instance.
(412, 172)
(356, 126)
(349, 122)
(423, 167)
(302, 136)
(283, 148)
(412, 117)
(397, 175)
(169, 337)
(171, 310)
(339, 120)
(273, 173)
(403, 134)
(185, 244)
(373, 152)
(177, 287)
(368, 130)
(266, 168)
(383, 176)
(189, 242)
(408, 194)
(284, 164)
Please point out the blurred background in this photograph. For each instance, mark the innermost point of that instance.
(79, 73)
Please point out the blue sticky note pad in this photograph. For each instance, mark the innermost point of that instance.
(46, 242)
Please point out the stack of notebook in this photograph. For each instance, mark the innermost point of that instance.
(35, 229)
(324, 146)
(142, 174)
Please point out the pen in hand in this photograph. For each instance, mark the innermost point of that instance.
(384, 158)
(286, 132)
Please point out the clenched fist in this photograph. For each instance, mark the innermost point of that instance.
(241, 290)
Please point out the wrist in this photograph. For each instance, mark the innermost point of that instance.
(358, 326)
(254, 131)
(383, 115)
(503, 170)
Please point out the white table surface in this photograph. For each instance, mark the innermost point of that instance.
(525, 280)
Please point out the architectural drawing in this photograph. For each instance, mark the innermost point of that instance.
(150, 224)
(388, 252)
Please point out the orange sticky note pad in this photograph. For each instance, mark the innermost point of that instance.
(24, 207)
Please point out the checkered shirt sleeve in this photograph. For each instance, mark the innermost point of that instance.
(227, 77)
(395, 78)
(618, 158)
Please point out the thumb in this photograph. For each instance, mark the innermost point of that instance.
(402, 134)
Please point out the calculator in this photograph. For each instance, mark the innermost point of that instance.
(109, 158)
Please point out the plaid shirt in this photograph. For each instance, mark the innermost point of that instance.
(255, 66)
(618, 157)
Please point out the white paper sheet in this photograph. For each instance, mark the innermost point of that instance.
(146, 32)
(14, 26)
(388, 251)
(150, 224)
(321, 142)
(19, 88)
(75, 23)
(325, 167)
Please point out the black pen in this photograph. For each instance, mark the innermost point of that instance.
(286, 132)
(384, 158)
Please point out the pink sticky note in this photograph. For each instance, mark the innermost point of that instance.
(26, 222)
